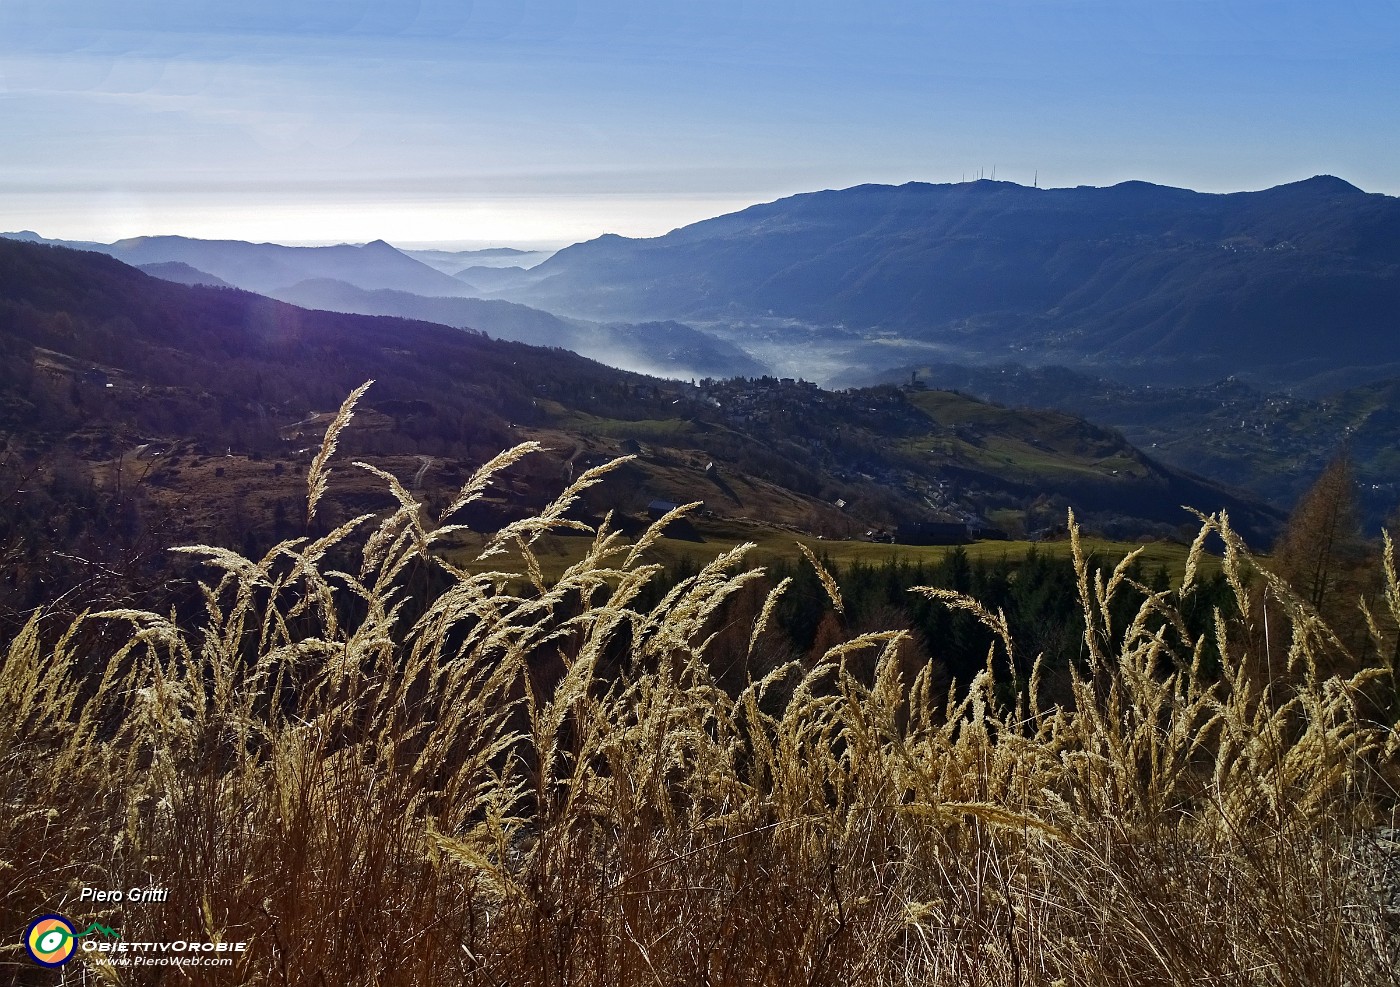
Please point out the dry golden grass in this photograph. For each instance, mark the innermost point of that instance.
(382, 769)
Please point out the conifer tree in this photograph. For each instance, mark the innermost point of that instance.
(1322, 542)
(1325, 558)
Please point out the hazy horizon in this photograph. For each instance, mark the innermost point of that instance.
(537, 246)
(529, 246)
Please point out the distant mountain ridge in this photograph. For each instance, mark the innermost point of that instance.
(267, 267)
(379, 279)
(454, 261)
(1289, 282)
(182, 273)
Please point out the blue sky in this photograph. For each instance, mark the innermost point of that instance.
(558, 120)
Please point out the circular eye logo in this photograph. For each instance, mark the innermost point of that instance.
(50, 940)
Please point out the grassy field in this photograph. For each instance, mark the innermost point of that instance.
(1021, 442)
(666, 430)
(556, 553)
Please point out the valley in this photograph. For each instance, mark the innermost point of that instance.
(138, 412)
(1244, 337)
